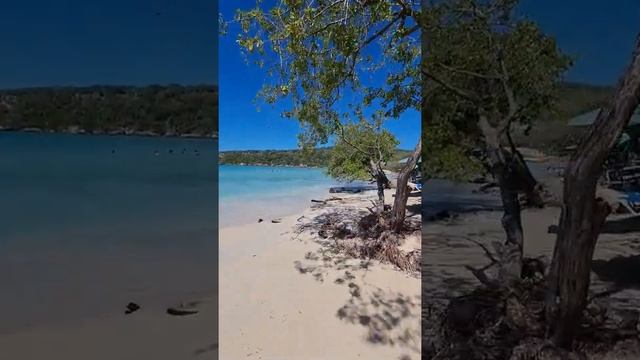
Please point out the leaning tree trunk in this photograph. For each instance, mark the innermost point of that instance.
(402, 190)
(582, 214)
(508, 174)
(381, 183)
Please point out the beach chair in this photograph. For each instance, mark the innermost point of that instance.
(630, 201)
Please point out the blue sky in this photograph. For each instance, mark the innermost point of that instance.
(599, 34)
(243, 127)
(131, 42)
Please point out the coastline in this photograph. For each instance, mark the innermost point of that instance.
(284, 296)
(463, 238)
(110, 133)
(276, 166)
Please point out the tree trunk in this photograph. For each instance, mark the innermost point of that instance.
(527, 182)
(507, 174)
(512, 251)
(582, 214)
(381, 182)
(402, 190)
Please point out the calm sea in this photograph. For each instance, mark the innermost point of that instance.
(88, 223)
(251, 192)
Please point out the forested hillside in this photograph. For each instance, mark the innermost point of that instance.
(551, 133)
(172, 110)
(313, 158)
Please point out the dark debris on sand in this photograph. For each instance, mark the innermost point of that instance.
(363, 235)
(508, 324)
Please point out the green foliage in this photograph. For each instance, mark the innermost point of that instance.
(482, 60)
(162, 110)
(311, 158)
(315, 51)
(445, 155)
(316, 157)
(360, 150)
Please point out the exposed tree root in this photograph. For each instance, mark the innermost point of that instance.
(366, 236)
(493, 323)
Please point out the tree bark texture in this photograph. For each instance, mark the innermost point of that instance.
(402, 190)
(582, 214)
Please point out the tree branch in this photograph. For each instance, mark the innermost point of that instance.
(450, 87)
(466, 72)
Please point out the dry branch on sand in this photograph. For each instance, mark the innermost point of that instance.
(498, 323)
(364, 235)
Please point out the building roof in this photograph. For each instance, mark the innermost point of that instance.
(404, 161)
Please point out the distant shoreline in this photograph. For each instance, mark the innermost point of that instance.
(150, 134)
(269, 165)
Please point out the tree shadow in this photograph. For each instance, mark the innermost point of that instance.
(432, 208)
(414, 209)
(384, 315)
(622, 271)
(390, 318)
(622, 226)
(613, 226)
(208, 349)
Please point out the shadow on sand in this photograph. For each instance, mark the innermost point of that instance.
(622, 271)
(622, 226)
(387, 316)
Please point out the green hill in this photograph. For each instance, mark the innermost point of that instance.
(171, 110)
(551, 133)
(314, 158)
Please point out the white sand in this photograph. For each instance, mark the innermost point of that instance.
(270, 310)
(145, 334)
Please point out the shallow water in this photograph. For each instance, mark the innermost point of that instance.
(251, 192)
(88, 223)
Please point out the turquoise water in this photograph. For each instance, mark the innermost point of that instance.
(266, 181)
(60, 181)
(248, 193)
(92, 222)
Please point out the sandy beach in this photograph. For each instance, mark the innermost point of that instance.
(285, 295)
(99, 328)
(463, 238)
(147, 334)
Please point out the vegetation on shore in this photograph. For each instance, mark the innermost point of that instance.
(315, 53)
(492, 76)
(319, 157)
(172, 110)
(551, 132)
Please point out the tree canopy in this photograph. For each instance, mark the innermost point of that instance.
(360, 151)
(484, 62)
(316, 52)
